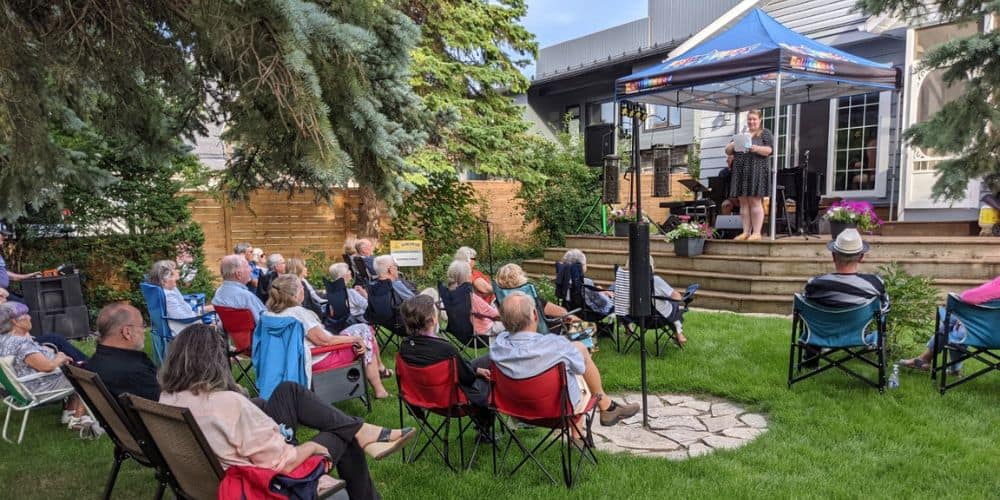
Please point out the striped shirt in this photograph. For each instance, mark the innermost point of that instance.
(837, 290)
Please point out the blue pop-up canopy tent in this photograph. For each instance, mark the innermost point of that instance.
(756, 63)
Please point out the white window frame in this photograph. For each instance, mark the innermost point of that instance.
(792, 150)
(882, 150)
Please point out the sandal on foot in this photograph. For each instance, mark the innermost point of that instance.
(385, 373)
(915, 364)
(383, 447)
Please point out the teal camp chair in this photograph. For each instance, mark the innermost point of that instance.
(982, 340)
(156, 305)
(832, 337)
(19, 398)
(545, 325)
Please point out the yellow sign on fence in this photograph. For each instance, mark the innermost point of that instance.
(408, 253)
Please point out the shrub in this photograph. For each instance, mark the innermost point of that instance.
(911, 319)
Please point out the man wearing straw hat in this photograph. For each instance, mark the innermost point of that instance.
(847, 287)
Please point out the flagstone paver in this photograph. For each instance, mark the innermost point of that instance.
(680, 427)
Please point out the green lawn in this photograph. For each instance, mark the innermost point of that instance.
(829, 436)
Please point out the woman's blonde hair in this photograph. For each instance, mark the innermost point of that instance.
(284, 293)
(459, 272)
(511, 276)
(349, 244)
(296, 266)
(760, 114)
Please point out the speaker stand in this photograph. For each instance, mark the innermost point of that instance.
(598, 204)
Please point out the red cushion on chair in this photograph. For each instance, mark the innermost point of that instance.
(339, 356)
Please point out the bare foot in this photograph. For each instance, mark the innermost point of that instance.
(382, 394)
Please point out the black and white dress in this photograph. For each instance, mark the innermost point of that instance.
(751, 172)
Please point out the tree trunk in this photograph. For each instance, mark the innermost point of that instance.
(369, 213)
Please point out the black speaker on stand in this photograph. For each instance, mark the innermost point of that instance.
(610, 182)
(598, 142)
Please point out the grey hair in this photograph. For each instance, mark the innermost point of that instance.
(515, 313)
(845, 259)
(338, 270)
(362, 242)
(574, 255)
(230, 265)
(459, 272)
(241, 248)
(465, 254)
(161, 270)
(382, 264)
(273, 260)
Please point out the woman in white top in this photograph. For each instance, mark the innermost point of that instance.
(357, 297)
(165, 275)
(285, 299)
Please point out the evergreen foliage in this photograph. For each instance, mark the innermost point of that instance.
(312, 93)
(467, 68)
(969, 126)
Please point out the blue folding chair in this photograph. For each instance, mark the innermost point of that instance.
(156, 305)
(982, 340)
(832, 337)
(545, 325)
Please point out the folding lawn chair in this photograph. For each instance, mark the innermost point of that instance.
(361, 272)
(176, 437)
(20, 398)
(543, 401)
(238, 325)
(545, 323)
(156, 305)
(571, 291)
(383, 313)
(982, 340)
(279, 357)
(338, 308)
(433, 390)
(125, 435)
(824, 333)
(664, 330)
(458, 305)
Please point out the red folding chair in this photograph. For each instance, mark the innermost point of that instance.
(543, 401)
(239, 325)
(434, 390)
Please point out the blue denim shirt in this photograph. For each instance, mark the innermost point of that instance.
(525, 354)
(233, 294)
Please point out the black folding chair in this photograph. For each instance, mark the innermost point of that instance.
(571, 290)
(457, 304)
(982, 340)
(383, 313)
(361, 274)
(338, 308)
(663, 329)
(829, 338)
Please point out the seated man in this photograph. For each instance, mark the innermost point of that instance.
(233, 292)
(986, 292)
(275, 268)
(665, 302)
(387, 269)
(526, 353)
(365, 248)
(119, 359)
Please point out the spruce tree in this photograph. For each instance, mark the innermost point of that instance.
(313, 93)
(969, 126)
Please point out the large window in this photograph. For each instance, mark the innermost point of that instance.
(661, 117)
(785, 130)
(856, 148)
(600, 112)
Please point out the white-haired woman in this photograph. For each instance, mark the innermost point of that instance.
(165, 275)
(357, 297)
(285, 299)
(485, 318)
(598, 301)
(481, 283)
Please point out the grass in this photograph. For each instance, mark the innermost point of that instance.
(829, 436)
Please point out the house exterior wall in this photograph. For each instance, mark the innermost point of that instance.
(673, 21)
(597, 47)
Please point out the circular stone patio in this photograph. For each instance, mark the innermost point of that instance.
(681, 426)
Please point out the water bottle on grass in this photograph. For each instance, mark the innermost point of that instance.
(894, 378)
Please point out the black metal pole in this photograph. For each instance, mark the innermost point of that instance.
(637, 174)
(489, 244)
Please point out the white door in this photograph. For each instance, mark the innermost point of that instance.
(927, 92)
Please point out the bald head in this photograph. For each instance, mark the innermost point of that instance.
(120, 325)
(518, 313)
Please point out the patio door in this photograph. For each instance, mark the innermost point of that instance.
(926, 94)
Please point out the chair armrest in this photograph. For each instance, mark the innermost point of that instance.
(329, 348)
(39, 375)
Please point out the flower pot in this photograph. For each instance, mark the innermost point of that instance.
(837, 227)
(621, 228)
(689, 247)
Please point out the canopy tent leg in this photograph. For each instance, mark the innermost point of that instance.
(774, 154)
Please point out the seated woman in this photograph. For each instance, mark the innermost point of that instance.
(982, 294)
(512, 276)
(480, 281)
(196, 376)
(164, 274)
(30, 358)
(667, 311)
(312, 301)
(485, 318)
(598, 301)
(285, 299)
(357, 297)
(422, 347)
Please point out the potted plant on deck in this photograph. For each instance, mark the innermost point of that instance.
(689, 238)
(856, 214)
(620, 219)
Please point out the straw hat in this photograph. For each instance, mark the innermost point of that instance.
(848, 242)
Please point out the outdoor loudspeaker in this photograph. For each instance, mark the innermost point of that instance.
(611, 180)
(598, 142)
(728, 222)
(641, 276)
(661, 171)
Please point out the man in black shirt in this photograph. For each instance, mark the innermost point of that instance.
(120, 360)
